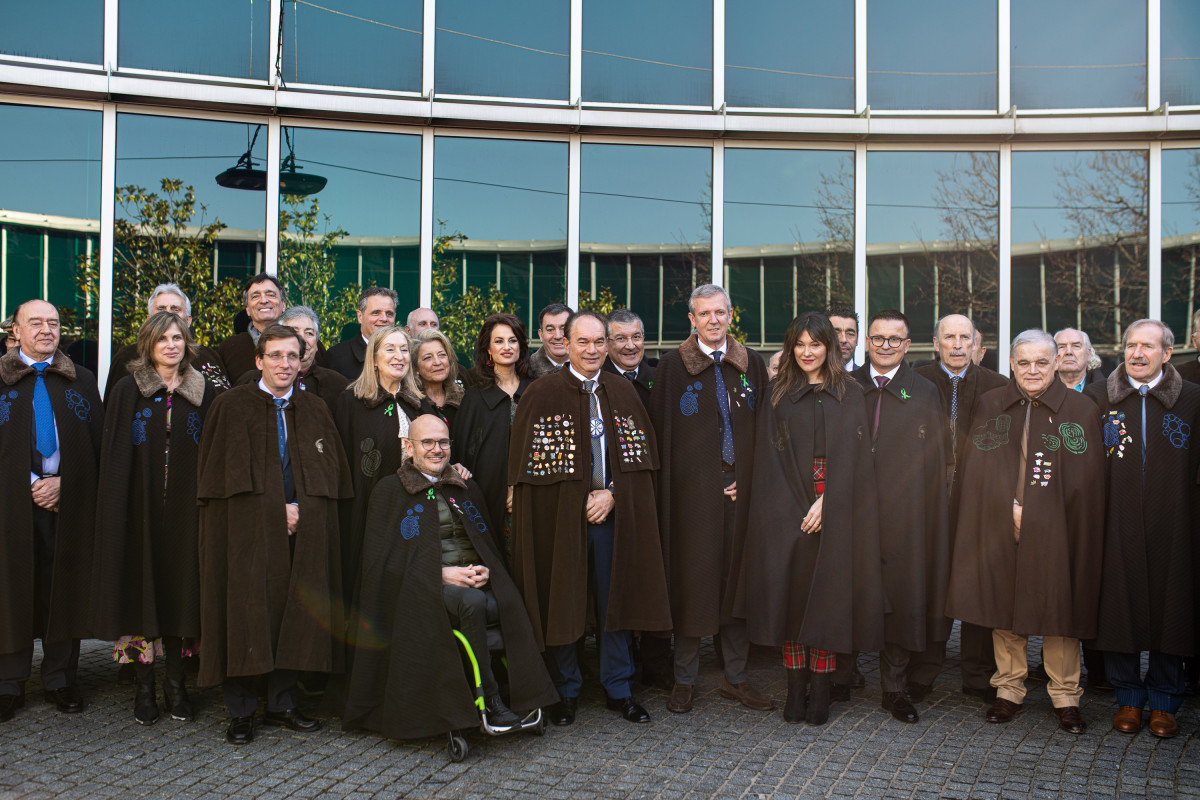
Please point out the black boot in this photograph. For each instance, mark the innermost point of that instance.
(818, 698)
(179, 706)
(145, 703)
(797, 699)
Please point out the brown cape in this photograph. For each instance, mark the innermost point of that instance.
(551, 479)
(206, 362)
(324, 383)
(263, 608)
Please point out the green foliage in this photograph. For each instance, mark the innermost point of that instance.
(307, 264)
(462, 314)
(604, 302)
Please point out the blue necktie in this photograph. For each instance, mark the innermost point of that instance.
(723, 405)
(43, 414)
(1142, 391)
(280, 427)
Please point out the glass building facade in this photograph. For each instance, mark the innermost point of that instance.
(1013, 160)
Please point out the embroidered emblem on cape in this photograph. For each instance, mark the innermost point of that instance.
(369, 463)
(6, 406)
(410, 526)
(552, 446)
(747, 392)
(138, 429)
(1115, 434)
(1072, 436)
(78, 405)
(993, 433)
(1041, 471)
(689, 402)
(472, 514)
(1177, 431)
(320, 443)
(631, 439)
(1051, 442)
(195, 426)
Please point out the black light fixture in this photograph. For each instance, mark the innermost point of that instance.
(246, 174)
(291, 181)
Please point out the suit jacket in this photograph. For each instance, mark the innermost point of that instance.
(1189, 370)
(347, 357)
(540, 363)
(644, 380)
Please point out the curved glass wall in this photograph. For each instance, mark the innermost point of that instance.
(1179, 44)
(217, 37)
(64, 30)
(383, 36)
(1180, 241)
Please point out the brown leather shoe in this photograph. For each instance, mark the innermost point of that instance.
(747, 695)
(680, 700)
(1003, 710)
(1162, 724)
(1128, 719)
(1070, 720)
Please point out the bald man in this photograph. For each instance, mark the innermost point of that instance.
(420, 319)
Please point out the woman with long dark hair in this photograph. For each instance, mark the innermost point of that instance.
(812, 582)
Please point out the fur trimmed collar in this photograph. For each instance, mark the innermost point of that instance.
(191, 385)
(404, 395)
(13, 369)
(695, 361)
(1167, 391)
(415, 482)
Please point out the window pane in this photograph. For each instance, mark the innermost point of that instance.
(50, 213)
(1180, 242)
(651, 205)
(508, 198)
(785, 54)
(344, 237)
(638, 52)
(503, 50)
(932, 249)
(1079, 226)
(66, 30)
(1065, 55)
(216, 37)
(1180, 45)
(789, 235)
(939, 54)
(373, 44)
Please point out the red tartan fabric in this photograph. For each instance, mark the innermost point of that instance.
(819, 476)
(799, 656)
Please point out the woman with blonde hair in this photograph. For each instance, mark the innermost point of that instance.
(435, 374)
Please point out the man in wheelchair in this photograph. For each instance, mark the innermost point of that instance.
(430, 565)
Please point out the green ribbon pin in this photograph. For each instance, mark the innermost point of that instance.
(904, 395)
(388, 410)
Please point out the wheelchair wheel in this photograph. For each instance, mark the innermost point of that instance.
(540, 728)
(456, 747)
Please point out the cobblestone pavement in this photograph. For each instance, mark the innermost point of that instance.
(720, 749)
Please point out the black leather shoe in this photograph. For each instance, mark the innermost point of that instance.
(900, 707)
(628, 709)
(240, 731)
(68, 700)
(987, 695)
(918, 691)
(292, 718)
(9, 703)
(563, 712)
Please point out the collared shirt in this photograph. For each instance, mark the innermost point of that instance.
(50, 464)
(627, 373)
(889, 374)
(599, 414)
(263, 385)
(1151, 383)
(950, 374)
(708, 351)
(254, 332)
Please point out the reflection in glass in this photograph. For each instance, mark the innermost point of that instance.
(502, 49)
(1064, 56)
(1079, 226)
(638, 52)
(66, 30)
(49, 210)
(1180, 240)
(939, 54)
(789, 235)
(646, 230)
(783, 54)
(932, 238)
(508, 198)
(216, 37)
(1180, 46)
(373, 44)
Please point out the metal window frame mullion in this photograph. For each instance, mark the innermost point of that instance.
(425, 292)
(718, 55)
(111, 13)
(574, 155)
(860, 56)
(108, 209)
(428, 42)
(1004, 315)
(860, 242)
(274, 148)
(1003, 56)
(717, 211)
(1153, 56)
(1154, 233)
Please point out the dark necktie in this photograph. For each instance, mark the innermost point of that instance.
(281, 428)
(1142, 391)
(954, 381)
(596, 430)
(882, 381)
(632, 375)
(43, 414)
(723, 405)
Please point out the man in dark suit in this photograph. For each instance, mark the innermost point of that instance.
(627, 352)
(265, 301)
(552, 330)
(376, 309)
(1190, 370)
(1078, 364)
(845, 324)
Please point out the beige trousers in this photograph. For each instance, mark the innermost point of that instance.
(1060, 655)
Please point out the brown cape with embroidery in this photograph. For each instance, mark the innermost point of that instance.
(1049, 583)
(263, 607)
(552, 482)
(407, 679)
(1150, 591)
(703, 568)
(79, 417)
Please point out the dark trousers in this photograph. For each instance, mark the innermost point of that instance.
(471, 610)
(59, 659)
(242, 700)
(978, 656)
(899, 667)
(1163, 685)
(925, 665)
(616, 647)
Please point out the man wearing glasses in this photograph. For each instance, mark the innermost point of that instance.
(271, 471)
(627, 352)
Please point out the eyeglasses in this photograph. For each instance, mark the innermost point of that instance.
(275, 358)
(621, 340)
(892, 341)
(430, 444)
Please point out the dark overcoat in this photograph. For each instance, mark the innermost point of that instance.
(703, 567)
(147, 567)
(911, 457)
(1189, 370)
(822, 589)
(1049, 582)
(407, 680)
(206, 362)
(1150, 588)
(237, 354)
(549, 464)
(347, 358)
(262, 606)
(79, 417)
(644, 382)
(324, 383)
